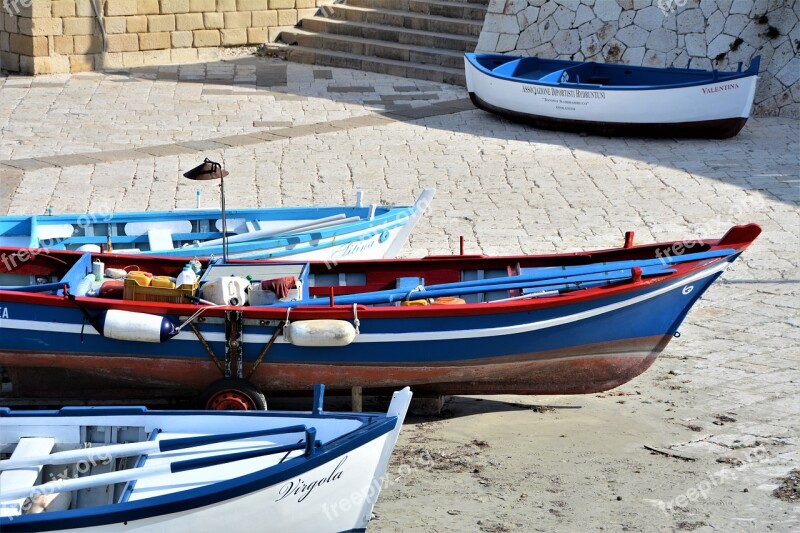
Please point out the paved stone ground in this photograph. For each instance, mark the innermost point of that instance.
(297, 135)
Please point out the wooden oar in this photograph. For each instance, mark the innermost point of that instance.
(139, 448)
(109, 478)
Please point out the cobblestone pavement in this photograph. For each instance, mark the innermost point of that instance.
(299, 135)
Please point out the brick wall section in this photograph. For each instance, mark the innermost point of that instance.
(59, 36)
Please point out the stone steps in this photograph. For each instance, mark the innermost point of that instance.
(404, 19)
(393, 34)
(323, 57)
(375, 47)
(440, 8)
(423, 39)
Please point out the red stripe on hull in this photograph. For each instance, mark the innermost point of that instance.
(591, 369)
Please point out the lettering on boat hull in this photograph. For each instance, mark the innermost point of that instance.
(303, 488)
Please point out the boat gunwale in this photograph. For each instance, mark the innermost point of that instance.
(405, 312)
(376, 426)
(471, 57)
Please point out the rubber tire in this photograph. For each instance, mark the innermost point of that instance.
(237, 386)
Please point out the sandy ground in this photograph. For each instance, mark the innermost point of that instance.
(578, 463)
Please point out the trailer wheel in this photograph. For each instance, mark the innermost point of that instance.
(233, 394)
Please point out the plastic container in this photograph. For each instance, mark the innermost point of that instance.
(115, 273)
(231, 290)
(98, 269)
(294, 294)
(163, 282)
(186, 277)
(139, 293)
(142, 278)
(84, 287)
(259, 296)
(448, 300)
(413, 303)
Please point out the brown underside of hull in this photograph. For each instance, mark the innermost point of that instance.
(598, 368)
(702, 129)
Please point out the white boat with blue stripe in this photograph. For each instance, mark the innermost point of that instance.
(308, 233)
(130, 469)
(613, 99)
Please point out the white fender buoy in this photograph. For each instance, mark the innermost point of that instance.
(320, 333)
(130, 326)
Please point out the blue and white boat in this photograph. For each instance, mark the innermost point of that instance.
(612, 98)
(130, 469)
(307, 233)
(570, 323)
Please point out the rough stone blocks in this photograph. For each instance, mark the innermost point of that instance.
(202, 6)
(116, 8)
(65, 8)
(126, 42)
(213, 21)
(174, 6)
(189, 21)
(264, 18)
(257, 35)
(237, 19)
(62, 44)
(115, 24)
(87, 44)
(206, 38)
(154, 41)
(281, 4)
(157, 23)
(182, 39)
(81, 63)
(79, 26)
(147, 7)
(251, 5)
(234, 37)
(287, 17)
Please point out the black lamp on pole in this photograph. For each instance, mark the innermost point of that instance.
(211, 170)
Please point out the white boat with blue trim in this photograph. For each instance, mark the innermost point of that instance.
(612, 99)
(130, 469)
(307, 233)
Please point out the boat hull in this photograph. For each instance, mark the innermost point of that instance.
(583, 347)
(723, 128)
(716, 109)
(359, 233)
(177, 486)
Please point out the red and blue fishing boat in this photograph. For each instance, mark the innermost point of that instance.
(571, 323)
(613, 99)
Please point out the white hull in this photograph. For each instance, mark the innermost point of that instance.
(570, 101)
(173, 490)
(330, 507)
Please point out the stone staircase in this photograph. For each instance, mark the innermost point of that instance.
(422, 39)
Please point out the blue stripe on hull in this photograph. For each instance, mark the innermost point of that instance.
(652, 317)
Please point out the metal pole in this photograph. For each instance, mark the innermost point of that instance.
(224, 221)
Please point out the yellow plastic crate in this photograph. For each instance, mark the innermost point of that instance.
(134, 291)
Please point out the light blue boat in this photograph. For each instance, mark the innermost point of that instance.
(308, 233)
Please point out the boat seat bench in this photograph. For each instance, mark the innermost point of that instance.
(24, 477)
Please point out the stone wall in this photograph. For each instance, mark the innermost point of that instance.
(53, 36)
(712, 33)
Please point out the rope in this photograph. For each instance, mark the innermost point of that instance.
(196, 315)
(356, 321)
